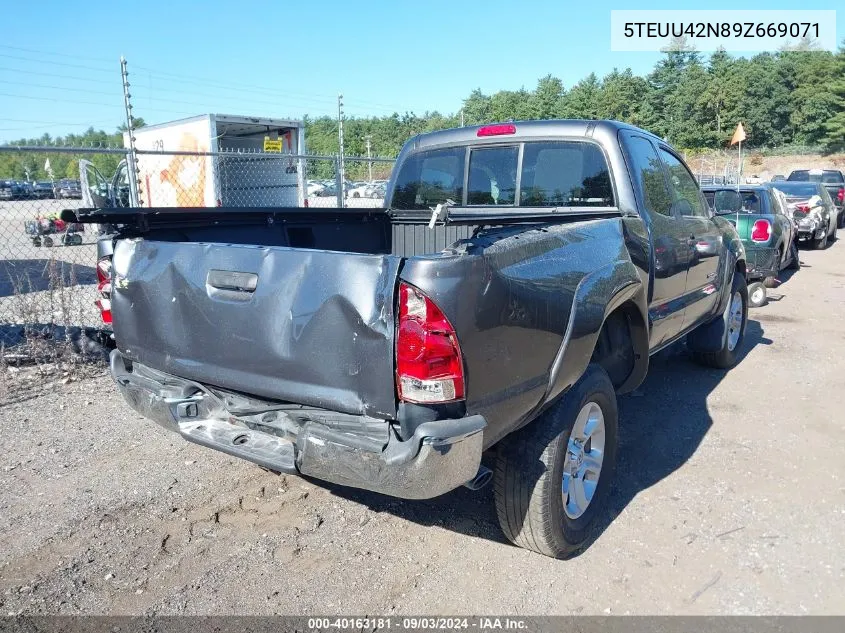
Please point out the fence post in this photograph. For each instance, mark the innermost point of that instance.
(131, 157)
(338, 178)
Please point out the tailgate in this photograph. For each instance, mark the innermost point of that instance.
(742, 223)
(303, 326)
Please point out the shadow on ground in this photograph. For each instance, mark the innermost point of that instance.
(35, 275)
(661, 426)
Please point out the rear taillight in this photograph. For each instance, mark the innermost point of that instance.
(429, 367)
(103, 303)
(840, 195)
(496, 130)
(762, 231)
(803, 208)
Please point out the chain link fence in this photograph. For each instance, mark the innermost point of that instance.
(48, 276)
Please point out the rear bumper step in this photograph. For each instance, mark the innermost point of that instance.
(441, 455)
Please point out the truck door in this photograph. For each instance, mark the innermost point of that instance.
(703, 238)
(96, 192)
(668, 236)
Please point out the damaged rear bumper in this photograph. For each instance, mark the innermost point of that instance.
(440, 456)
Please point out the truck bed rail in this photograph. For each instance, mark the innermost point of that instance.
(145, 219)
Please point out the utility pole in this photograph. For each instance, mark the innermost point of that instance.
(341, 167)
(131, 157)
(369, 155)
(462, 117)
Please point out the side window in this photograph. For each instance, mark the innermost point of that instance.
(686, 195)
(774, 203)
(647, 173)
(492, 176)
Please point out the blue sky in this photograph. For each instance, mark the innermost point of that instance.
(59, 70)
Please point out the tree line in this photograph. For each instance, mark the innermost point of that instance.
(791, 97)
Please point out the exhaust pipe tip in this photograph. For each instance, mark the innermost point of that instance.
(481, 479)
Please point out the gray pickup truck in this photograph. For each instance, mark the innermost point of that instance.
(518, 279)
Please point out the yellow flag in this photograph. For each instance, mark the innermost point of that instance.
(739, 135)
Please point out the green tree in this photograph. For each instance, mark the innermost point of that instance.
(834, 134)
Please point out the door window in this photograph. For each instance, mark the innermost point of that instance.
(686, 194)
(649, 183)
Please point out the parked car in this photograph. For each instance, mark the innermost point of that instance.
(766, 229)
(358, 190)
(314, 188)
(13, 190)
(813, 210)
(69, 189)
(387, 350)
(43, 190)
(833, 181)
(778, 177)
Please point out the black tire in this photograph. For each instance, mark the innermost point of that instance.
(47, 241)
(529, 472)
(821, 243)
(757, 296)
(794, 262)
(724, 357)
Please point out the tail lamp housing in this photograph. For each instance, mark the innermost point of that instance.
(429, 364)
(762, 231)
(103, 302)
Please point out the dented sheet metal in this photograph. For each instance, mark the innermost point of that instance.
(313, 327)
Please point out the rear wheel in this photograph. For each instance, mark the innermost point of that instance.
(47, 241)
(821, 243)
(553, 475)
(794, 261)
(757, 296)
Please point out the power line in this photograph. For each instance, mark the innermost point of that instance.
(110, 105)
(85, 90)
(58, 75)
(47, 122)
(55, 53)
(46, 61)
(207, 81)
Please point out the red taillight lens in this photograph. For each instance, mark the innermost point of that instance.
(104, 306)
(496, 130)
(840, 195)
(803, 208)
(429, 366)
(762, 231)
(104, 288)
(103, 269)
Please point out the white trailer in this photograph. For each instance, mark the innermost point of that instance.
(221, 160)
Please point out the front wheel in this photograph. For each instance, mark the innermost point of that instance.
(821, 243)
(716, 343)
(553, 475)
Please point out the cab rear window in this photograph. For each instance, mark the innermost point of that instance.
(565, 174)
(553, 174)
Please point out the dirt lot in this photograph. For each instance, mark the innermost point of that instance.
(730, 498)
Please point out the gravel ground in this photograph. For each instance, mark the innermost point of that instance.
(729, 498)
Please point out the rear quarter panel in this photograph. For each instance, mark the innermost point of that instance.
(510, 293)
